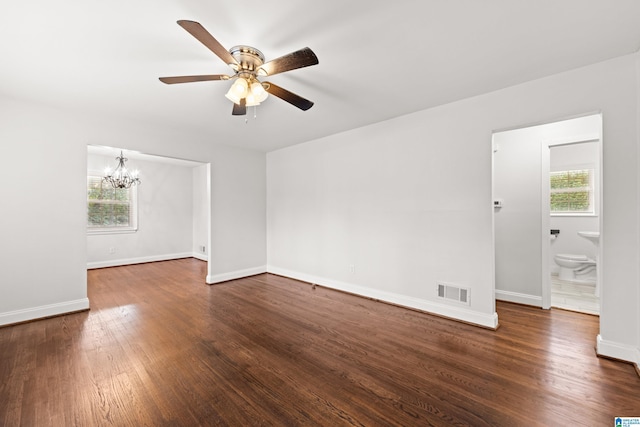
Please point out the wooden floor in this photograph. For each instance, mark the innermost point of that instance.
(160, 347)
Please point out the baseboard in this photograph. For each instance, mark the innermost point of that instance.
(42, 311)
(200, 256)
(618, 351)
(139, 260)
(518, 298)
(239, 274)
(453, 312)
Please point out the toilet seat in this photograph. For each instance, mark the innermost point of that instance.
(574, 267)
(571, 257)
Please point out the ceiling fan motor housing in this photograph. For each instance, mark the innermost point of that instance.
(249, 59)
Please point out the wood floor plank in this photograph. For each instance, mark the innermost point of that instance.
(160, 347)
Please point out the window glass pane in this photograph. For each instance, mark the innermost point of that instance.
(559, 202)
(578, 179)
(108, 207)
(96, 217)
(559, 180)
(571, 191)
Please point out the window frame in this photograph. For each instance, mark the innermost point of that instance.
(133, 211)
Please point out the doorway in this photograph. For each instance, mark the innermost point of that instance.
(572, 167)
(524, 259)
(168, 217)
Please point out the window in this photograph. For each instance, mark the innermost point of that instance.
(572, 192)
(109, 209)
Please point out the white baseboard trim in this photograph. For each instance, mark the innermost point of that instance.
(518, 298)
(239, 274)
(139, 260)
(618, 351)
(48, 310)
(457, 313)
(200, 256)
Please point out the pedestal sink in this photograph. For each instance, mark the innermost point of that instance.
(594, 237)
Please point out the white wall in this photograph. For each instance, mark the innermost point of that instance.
(43, 270)
(622, 347)
(165, 216)
(518, 180)
(398, 201)
(200, 237)
(517, 224)
(408, 201)
(42, 257)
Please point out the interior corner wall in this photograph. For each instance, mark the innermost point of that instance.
(44, 259)
(165, 216)
(393, 208)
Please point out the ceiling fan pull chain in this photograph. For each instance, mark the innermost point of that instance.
(255, 112)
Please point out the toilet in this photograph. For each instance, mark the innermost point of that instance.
(575, 267)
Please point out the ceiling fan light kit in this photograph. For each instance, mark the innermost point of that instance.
(248, 63)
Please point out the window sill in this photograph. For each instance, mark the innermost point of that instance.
(586, 214)
(111, 231)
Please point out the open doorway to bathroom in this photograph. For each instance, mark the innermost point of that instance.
(574, 192)
(530, 241)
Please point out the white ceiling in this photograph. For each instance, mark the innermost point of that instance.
(378, 60)
(101, 150)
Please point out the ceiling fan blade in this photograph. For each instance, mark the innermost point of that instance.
(294, 60)
(203, 36)
(189, 79)
(290, 97)
(240, 109)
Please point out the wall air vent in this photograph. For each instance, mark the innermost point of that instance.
(453, 293)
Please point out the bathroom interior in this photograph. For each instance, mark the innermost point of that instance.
(574, 234)
(546, 193)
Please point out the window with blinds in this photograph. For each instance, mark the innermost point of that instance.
(572, 192)
(110, 209)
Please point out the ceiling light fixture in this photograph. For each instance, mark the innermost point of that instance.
(249, 89)
(121, 177)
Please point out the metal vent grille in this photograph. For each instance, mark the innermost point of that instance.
(453, 293)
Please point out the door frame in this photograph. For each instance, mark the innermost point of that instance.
(545, 210)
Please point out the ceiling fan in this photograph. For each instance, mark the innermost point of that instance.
(248, 65)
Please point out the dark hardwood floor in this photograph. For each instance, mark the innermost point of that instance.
(160, 347)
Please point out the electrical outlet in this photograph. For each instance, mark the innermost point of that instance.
(203, 249)
(112, 250)
(352, 268)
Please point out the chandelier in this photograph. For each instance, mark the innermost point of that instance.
(121, 177)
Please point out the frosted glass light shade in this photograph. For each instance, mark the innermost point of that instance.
(251, 100)
(258, 91)
(237, 91)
